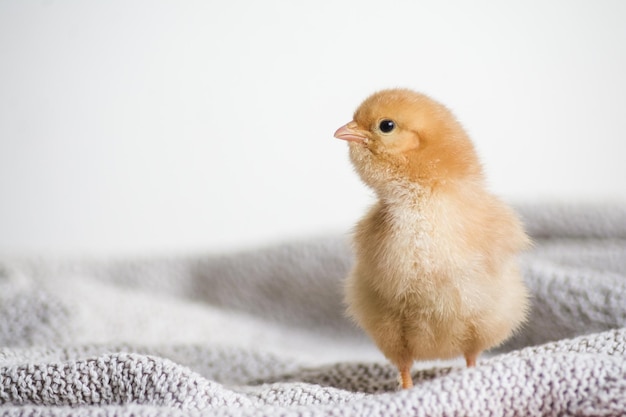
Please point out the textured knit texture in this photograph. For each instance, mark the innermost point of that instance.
(263, 332)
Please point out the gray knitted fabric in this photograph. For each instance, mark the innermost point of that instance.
(263, 332)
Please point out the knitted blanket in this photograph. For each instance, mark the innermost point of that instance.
(263, 332)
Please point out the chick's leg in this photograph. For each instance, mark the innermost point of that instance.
(405, 377)
(470, 359)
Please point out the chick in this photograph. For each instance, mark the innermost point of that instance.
(436, 258)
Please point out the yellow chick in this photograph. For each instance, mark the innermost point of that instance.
(436, 270)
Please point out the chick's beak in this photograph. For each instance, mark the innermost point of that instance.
(350, 133)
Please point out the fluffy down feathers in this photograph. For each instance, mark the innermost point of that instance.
(436, 272)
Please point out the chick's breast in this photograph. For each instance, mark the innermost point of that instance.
(423, 288)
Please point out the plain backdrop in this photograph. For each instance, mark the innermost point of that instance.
(148, 126)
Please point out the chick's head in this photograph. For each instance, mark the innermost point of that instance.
(401, 135)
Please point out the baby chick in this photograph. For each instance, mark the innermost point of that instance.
(436, 271)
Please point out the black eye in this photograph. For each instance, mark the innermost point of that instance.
(386, 125)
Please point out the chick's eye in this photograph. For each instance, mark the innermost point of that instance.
(386, 125)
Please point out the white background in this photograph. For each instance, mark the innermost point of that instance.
(154, 127)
